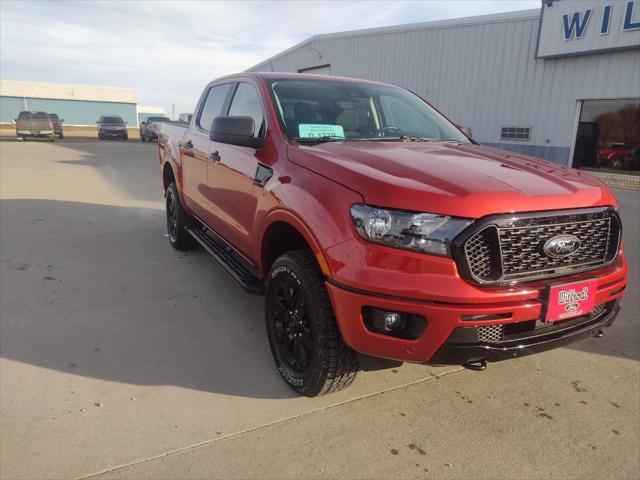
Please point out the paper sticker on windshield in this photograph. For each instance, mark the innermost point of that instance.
(313, 130)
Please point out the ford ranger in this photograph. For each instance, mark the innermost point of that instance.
(375, 227)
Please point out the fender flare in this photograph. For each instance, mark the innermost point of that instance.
(286, 216)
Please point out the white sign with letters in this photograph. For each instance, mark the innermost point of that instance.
(577, 27)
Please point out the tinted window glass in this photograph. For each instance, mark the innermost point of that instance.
(53, 116)
(213, 105)
(41, 116)
(25, 116)
(246, 102)
(357, 111)
(400, 112)
(115, 120)
(158, 119)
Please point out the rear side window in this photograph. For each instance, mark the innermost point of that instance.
(213, 105)
(246, 102)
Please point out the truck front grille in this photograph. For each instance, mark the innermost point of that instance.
(507, 249)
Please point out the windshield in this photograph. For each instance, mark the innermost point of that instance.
(326, 109)
(157, 119)
(116, 120)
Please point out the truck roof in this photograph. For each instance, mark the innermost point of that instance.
(298, 76)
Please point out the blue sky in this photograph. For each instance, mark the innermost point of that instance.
(169, 50)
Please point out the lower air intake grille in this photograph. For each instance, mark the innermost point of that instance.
(490, 333)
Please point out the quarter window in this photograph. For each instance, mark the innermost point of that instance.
(213, 105)
(247, 103)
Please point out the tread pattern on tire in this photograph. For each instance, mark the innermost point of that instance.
(340, 363)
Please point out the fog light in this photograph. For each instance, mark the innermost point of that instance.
(393, 321)
(395, 324)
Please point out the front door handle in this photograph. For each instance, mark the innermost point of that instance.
(215, 156)
(187, 145)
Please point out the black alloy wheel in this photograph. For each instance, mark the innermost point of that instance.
(290, 317)
(177, 221)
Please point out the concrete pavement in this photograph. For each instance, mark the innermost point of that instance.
(123, 358)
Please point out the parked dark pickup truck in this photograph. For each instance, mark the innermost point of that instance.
(374, 226)
(34, 125)
(56, 123)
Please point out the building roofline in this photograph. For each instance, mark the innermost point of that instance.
(409, 27)
(66, 91)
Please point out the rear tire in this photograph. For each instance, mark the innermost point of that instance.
(305, 341)
(61, 135)
(177, 221)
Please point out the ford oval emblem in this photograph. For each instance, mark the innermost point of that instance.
(561, 246)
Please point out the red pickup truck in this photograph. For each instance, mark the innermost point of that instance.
(375, 227)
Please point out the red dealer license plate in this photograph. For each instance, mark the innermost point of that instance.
(571, 300)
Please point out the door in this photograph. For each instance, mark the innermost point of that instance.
(195, 153)
(231, 177)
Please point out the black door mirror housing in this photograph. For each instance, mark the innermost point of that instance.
(235, 130)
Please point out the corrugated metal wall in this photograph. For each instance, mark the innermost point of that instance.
(74, 112)
(484, 76)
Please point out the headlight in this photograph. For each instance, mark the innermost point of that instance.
(423, 232)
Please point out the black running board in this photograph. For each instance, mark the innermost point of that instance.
(246, 276)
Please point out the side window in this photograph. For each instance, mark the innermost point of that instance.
(247, 102)
(213, 105)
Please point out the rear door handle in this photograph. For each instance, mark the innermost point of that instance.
(187, 145)
(215, 156)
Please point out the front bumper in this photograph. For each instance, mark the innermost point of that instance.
(113, 133)
(453, 353)
(443, 318)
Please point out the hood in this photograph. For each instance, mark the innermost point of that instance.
(460, 180)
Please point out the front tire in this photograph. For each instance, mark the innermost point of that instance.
(177, 221)
(303, 334)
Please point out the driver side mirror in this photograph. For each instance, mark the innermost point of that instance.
(236, 130)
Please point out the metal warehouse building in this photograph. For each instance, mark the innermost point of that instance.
(550, 82)
(78, 105)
